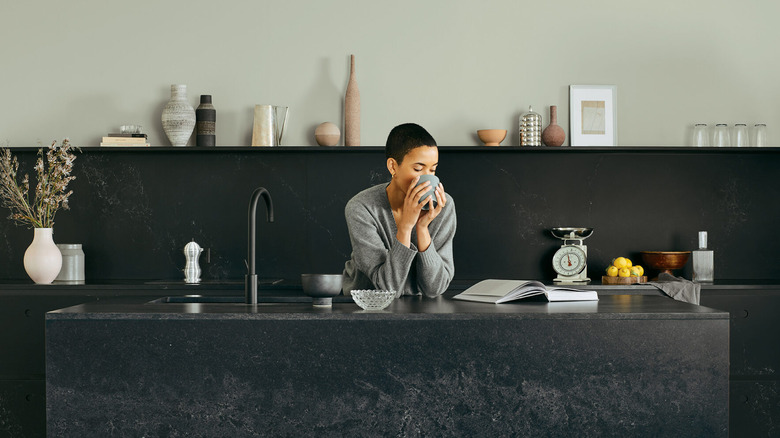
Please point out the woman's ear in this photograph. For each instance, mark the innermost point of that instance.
(392, 166)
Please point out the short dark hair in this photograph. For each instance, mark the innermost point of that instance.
(404, 138)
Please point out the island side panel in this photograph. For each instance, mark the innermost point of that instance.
(466, 377)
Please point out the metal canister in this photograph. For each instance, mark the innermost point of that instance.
(531, 128)
(72, 271)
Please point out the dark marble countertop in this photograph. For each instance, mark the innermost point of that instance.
(404, 308)
(234, 286)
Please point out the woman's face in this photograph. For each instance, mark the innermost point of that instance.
(419, 161)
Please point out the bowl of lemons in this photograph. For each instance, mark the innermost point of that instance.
(623, 271)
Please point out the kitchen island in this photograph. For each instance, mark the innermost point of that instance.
(625, 365)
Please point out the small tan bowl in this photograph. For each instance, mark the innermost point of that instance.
(492, 137)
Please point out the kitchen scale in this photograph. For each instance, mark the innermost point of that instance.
(571, 260)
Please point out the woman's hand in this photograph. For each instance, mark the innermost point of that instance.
(425, 219)
(429, 215)
(410, 212)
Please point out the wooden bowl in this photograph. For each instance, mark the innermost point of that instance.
(492, 137)
(623, 280)
(665, 261)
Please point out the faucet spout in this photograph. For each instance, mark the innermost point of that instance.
(250, 281)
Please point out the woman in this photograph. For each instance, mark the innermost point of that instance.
(396, 245)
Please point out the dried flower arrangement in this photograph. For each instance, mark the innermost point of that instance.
(53, 174)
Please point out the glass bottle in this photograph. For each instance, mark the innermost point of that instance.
(759, 134)
(700, 138)
(703, 261)
(721, 136)
(740, 135)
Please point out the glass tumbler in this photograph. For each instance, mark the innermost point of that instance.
(721, 136)
(700, 138)
(740, 135)
(759, 134)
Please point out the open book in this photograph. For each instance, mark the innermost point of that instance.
(502, 291)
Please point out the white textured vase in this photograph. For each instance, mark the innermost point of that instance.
(178, 117)
(43, 259)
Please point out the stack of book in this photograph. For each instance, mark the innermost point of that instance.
(125, 140)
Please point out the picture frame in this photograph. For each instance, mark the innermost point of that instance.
(593, 115)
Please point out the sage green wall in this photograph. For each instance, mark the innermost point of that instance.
(81, 68)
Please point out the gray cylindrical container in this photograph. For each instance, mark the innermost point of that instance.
(72, 271)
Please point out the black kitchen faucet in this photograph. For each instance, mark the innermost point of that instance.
(250, 281)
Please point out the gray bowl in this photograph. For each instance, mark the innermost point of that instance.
(321, 287)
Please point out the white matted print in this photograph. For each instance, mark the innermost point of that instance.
(593, 115)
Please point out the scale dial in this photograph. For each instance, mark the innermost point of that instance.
(569, 261)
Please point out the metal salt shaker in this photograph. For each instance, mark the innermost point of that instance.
(192, 252)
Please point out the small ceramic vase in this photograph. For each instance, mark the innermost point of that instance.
(178, 117)
(553, 134)
(43, 260)
(327, 134)
(206, 122)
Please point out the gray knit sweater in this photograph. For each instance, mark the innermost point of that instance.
(380, 261)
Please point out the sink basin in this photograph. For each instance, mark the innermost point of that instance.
(200, 299)
(260, 282)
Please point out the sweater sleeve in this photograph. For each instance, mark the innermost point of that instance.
(435, 265)
(386, 268)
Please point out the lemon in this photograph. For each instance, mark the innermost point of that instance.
(635, 271)
(641, 270)
(628, 262)
(620, 262)
(624, 272)
(612, 271)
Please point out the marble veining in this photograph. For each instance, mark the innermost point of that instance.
(400, 373)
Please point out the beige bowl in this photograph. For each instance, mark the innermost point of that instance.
(492, 137)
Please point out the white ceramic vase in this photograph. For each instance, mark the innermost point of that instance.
(43, 259)
(178, 117)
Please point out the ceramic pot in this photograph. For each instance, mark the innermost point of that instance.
(43, 259)
(178, 117)
(553, 134)
(352, 109)
(327, 134)
(206, 122)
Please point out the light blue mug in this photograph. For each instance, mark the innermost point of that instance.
(432, 192)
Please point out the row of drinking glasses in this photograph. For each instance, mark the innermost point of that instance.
(721, 137)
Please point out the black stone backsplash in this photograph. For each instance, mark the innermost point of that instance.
(135, 209)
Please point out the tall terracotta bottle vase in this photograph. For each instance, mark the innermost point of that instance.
(553, 134)
(352, 109)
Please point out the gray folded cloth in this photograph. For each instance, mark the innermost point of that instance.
(678, 288)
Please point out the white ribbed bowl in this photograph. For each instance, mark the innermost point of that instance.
(369, 299)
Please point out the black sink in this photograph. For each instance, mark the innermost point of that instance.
(200, 299)
(260, 282)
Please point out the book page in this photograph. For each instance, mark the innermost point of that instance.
(495, 288)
